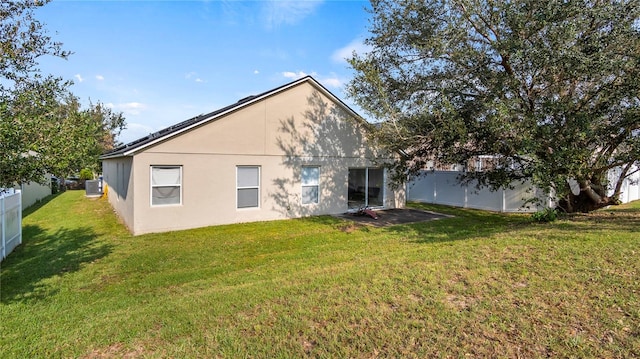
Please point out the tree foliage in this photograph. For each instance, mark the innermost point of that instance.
(77, 137)
(24, 39)
(42, 126)
(549, 89)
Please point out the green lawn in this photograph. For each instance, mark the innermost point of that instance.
(479, 285)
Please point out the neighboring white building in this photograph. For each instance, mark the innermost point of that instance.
(33, 192)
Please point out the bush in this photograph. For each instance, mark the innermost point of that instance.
(86, 174)
(546, 215)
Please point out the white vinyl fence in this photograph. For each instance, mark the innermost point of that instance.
(630, 189)
(442, 187)
(10, 220)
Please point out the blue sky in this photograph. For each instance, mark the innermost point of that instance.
(162, 62)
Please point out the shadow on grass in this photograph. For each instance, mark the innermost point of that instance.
(463, 224)
(46, 254)
(36, 206)
(618, 221)
(447, 224)
(446, 230)
(325, 220)
(471, 223)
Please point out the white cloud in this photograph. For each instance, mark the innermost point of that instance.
(132, 107)
(139, 127)
(99, 77)
(357, 46)
(333, 82)
(296, 75)
(193, 76)
(128, 108)
(278, 12)
(255, 72)
(80, 79)
(135, 131)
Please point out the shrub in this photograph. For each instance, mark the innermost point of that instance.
(546, 215)
(86, 174)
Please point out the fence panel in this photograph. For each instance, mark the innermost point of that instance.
(421, 189)
(442, 187)
(630, 189)
(484, 198)
(10, 222)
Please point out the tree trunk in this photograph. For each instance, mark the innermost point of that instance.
(623, 175)
(590, 198)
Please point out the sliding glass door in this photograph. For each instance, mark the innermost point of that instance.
(366, 187)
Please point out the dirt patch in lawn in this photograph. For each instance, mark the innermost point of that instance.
(391, 217)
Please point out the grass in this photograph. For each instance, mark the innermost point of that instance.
(479, 284)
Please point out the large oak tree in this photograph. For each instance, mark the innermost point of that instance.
(549, 89)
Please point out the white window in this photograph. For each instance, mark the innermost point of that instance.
(166, 185)
(310, 184)
(248, 186)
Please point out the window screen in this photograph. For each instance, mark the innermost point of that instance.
(310, 184)
(248, 186)
(166, 185)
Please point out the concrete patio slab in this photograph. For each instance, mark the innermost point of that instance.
(391, 217)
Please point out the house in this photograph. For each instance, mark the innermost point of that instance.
(293, 151)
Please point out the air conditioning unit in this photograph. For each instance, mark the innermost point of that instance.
(93, 188)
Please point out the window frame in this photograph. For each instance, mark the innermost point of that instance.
(258, 187)
(366, 187)
(309, 185)
(152, 186)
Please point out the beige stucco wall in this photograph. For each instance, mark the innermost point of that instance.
(117, 177)
(280, 134)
